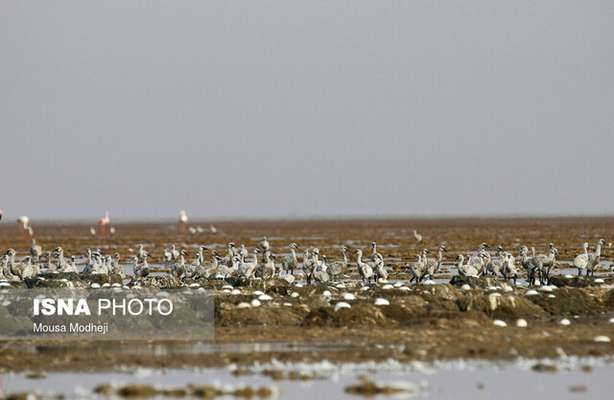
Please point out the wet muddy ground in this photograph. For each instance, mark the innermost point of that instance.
(488, 320)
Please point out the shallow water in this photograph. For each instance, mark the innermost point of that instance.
(454, 380)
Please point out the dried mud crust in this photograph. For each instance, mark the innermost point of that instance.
(424, 323)
(427, 323)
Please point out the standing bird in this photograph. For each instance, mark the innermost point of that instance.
(581, 262)
(508, 268)
(1, 214)
(417, 236)
(290, 262)
(374, 254)
(364, 269)
(339, 267)
(35, 251)
(466, 269)
(182, 223)
(433, 264)
(264, 245)
(102, 225)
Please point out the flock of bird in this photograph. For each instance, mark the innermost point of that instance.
(310, 264)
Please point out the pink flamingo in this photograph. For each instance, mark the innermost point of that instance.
(103, 226)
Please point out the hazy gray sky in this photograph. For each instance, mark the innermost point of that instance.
(301, 108)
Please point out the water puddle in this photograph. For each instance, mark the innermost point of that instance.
(564, 379)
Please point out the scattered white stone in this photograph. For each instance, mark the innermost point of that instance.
(398, 284)
(387, 287)
(116, 285)
(105, 285)
(264, 297)
(545, 289)
(340, 286)
(294, 295)
(599, 280)
(601, 339)
(235, 292)
(429, 282)
(341, 305)
(466, 287)
(365, 288)
(508, 289)
(256, 303)
(5, 284)
(565, 322)
(493, 300)
(531, 292)
(229, 287)
(404, 289)
(244, 305)
(612, 320)
(491, 288)
(258, 293)
(499, 323)
(349, 296)
(227, 291)
(298, 285)
(551, 296)
(381, 302)
(194, 285)
(568, 276)
(327, 294)
(288, 304)
(6, 303)
(95, 285)
(521, 323)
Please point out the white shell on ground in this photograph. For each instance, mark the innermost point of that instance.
(342, 305)
(387, 287)
(381, 302)
(499, 323)
(531, 292)
(565, 322)
(256, 303)
(521, 323)
(349, 296)
(244, 305)
(601, 339)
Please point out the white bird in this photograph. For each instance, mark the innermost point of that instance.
(264, 245)
(339, 267)
(72, 266)
(320, 273)
(374, 254)
(433, 264)
(581, 262)
(35, 251)
(417, 236)
(364, 269)
(508, 267)
(290, 261)
(466, 269)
